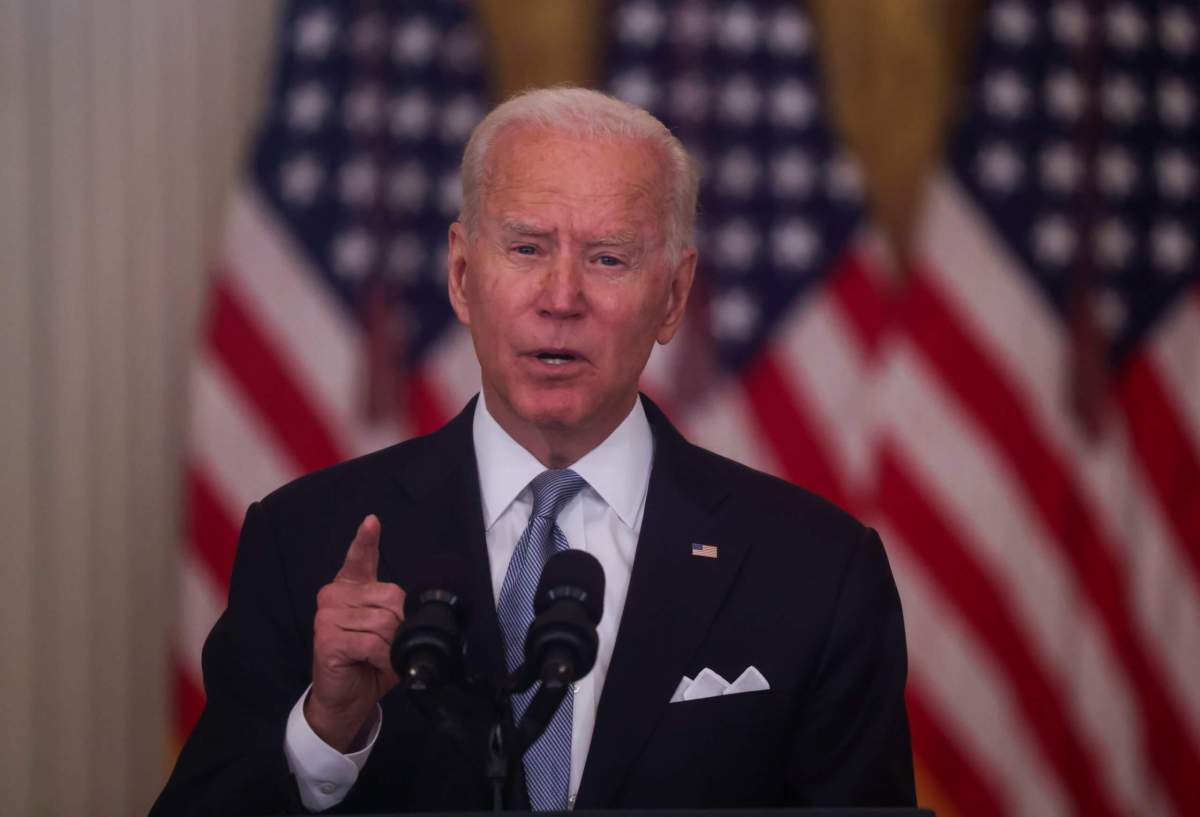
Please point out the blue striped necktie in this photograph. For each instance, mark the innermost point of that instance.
(548, 761)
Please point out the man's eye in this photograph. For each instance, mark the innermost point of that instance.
(609, 261)
(525, 249)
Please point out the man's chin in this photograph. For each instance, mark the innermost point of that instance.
(555, 410)
(562, 407)
(556, 416)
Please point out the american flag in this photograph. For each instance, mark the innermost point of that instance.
(329, 333)
(787, 310)
(1038, 458)
(1022, 421)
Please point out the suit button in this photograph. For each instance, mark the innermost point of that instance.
(571, 801)
(328, 788)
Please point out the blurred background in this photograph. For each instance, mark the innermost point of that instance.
(950, 280)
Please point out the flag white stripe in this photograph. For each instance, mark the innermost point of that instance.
(724, 423)
(824, 361)
(310, 329)
(1175, 353)
(1162, 586)
(453, 368)
(962, 475)
(990, 295)
(230, 444)
(975, 272)
(970, 694)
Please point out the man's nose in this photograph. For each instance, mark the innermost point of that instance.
(562, 288)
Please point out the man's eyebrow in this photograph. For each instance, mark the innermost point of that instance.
(523, 228)
(613, 240)
(618, 239)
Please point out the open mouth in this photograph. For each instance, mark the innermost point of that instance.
(555, 358)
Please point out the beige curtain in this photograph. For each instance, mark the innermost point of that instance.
(121, 127)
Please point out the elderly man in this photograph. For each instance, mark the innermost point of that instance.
(751, 650)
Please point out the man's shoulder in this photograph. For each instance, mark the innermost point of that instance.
(758, 493)
(386, 469)
(748, 494)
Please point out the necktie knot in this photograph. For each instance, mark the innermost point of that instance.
(553, 489)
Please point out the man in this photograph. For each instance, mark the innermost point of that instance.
(572, 257)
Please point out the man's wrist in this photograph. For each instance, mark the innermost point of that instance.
(344, 731)
(324, 775)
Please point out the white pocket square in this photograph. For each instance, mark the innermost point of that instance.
(708, 684)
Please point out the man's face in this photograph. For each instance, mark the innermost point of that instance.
(566, 282)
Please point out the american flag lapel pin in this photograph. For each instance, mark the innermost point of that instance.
(706, 551)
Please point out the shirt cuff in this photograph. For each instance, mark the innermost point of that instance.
(324, 775)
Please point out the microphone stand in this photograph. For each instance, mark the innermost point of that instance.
(497, 765)
(560, 648)
(545, 703)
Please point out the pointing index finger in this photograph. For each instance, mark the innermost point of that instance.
(362, 557)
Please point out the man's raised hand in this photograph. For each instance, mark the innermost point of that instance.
(357, 618)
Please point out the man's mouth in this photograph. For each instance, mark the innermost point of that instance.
(555, 358)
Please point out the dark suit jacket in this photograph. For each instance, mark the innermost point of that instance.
(800, 590)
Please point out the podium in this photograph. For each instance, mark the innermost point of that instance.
(683, 812)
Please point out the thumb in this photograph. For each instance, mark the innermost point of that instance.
(362, 557)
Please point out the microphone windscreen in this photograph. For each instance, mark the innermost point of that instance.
(573, 574)
(441, 578)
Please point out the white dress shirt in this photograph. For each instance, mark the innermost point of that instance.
(604, 519)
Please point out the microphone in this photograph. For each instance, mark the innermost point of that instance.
(560, 647)
(562, 642)
(428, 648)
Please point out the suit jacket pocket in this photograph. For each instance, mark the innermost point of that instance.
(713, 751)
(724, 703)
(724, 714)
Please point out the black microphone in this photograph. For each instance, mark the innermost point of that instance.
(428, 648)
(561, 645)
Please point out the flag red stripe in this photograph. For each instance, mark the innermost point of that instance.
(189, 700)
(426, 409)
(262, 375)
(1165, 450)
(994, 407)
(989, 614)
(784, 422)
(861, 299)
(211, 531)
(969, 792)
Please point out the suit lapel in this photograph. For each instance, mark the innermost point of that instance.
(672, 600)
(445, 516)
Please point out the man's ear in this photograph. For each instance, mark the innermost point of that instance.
(456, 261)
(682, 276)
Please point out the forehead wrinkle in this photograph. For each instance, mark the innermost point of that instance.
(524, 228)
(515, 183)
(513, 169)
(604, 228)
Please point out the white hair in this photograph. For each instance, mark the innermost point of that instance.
(585, 114)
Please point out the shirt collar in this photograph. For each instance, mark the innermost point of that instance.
(618, 469)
